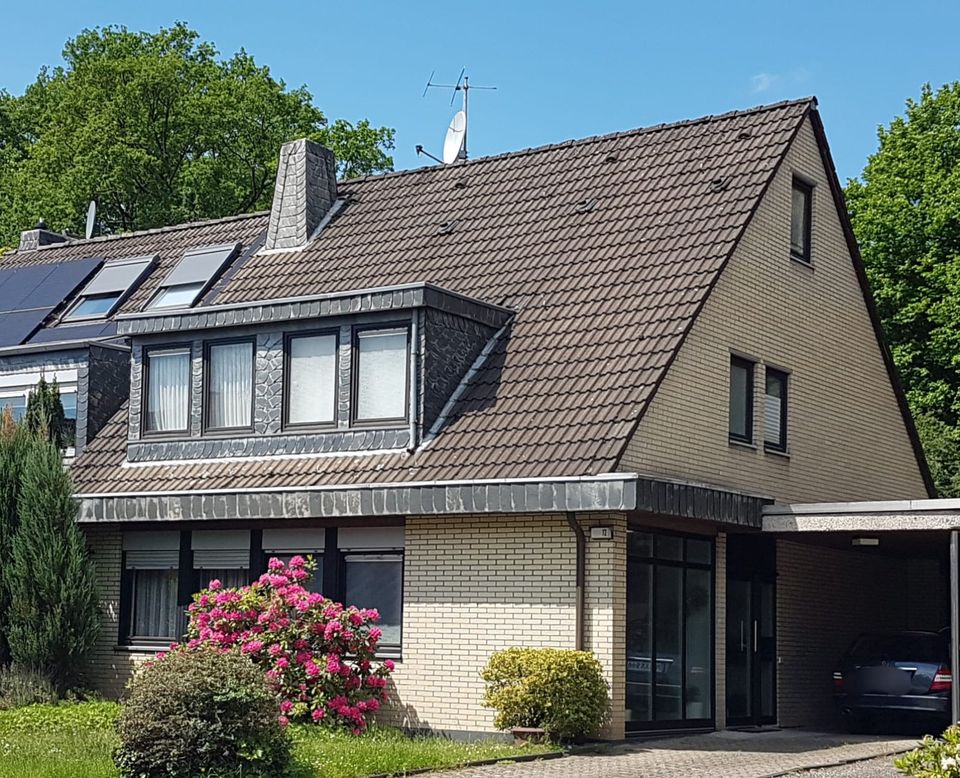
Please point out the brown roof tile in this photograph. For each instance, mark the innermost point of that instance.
(603, 297)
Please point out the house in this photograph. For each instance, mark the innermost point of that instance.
(540, 398)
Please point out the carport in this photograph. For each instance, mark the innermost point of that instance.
(907, 529)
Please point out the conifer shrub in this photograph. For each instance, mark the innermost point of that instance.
(13, 446)
(53, 618)
(560, 691)
(201, 712)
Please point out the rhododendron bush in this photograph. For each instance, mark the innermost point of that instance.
(317, 655)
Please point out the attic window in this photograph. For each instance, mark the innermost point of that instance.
(800, 219)
(192, 276)
(109, 287)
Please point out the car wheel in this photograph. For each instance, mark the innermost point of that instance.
(857, 723)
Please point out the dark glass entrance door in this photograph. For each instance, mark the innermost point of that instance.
(751, 634)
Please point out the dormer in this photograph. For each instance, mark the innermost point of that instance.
(366, 370)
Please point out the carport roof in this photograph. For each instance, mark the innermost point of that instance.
(884, 516)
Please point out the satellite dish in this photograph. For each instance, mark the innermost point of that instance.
(453, 143)
(91, 218)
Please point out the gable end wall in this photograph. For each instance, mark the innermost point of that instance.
(847, 438)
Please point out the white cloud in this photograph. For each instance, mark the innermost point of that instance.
(763, 82)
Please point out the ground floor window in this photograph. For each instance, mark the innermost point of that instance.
(669, 630)
(360, 566)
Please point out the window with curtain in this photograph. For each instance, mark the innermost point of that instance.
(69, 402)
(311, 379)
(381, 382)
(154, 604)
(229, 385)
(375, 580)
(741, 400)
(775, 411)
(168, 390)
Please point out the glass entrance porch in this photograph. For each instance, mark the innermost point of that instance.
(670, 621)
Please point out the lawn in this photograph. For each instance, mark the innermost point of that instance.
(75, 741)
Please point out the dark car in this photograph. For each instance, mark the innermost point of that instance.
(902, 675)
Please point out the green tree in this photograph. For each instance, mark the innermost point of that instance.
(159, 129)
(13, 444)
(44, 416)
(905, 210)
(53, 618)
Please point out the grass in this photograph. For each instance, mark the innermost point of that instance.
(76, 740)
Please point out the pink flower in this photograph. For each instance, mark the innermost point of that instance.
(252, 647)
(275, 564)
(286, 706)
(284, 721)
(282, 663)
(275, 650)
(389, 664)
(215, 584)
(317, 714)
(297, 561)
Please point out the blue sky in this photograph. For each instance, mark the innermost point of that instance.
(564, 69)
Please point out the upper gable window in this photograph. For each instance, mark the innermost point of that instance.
(741, 400)
(380, 385)
(167, 389)
(192, 276)
(108, 288)
(775, 411)
(229, 383)
(311, 379)
(800, 219)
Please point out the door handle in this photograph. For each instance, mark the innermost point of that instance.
(755, 635)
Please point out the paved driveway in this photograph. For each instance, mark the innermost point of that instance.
(733, 754)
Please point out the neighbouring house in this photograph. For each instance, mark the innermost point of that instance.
(540, 398)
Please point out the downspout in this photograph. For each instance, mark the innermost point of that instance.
(581, 576)
(414, 380)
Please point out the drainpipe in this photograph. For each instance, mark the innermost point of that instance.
(414, 379)
(581, 576)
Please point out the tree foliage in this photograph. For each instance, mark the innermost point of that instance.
(905, 210)
(53, 617)
(44, 416)
(159, 129)
(13, 446)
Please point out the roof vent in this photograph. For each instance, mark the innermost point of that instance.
(585, 206)
(446, 228)
(720, 184)
(612, 158)
(744, 134)
(30, 240)
(305, 193)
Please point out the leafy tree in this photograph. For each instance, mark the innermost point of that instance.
(159, 129)
(905, 210)
(13, 444)
(44, 416)
(53, 619)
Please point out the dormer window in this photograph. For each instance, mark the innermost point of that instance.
(193, 276)
(109, 287)
(311, 379)
(380, 384)
(166, 390)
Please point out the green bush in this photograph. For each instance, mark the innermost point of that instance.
(560, 691)
(20, 687)
(201, 713)
(934, 757)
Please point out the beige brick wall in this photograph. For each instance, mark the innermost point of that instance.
(472, 585)
(109, 668)
(846, 437)
(825, 598)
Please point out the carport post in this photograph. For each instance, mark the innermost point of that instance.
(954, 624)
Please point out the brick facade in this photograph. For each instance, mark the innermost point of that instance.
(847, 439)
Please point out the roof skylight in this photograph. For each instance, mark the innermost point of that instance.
(192, 276)
(109, 287)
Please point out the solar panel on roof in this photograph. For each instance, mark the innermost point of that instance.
(29, 294)
(82, 332)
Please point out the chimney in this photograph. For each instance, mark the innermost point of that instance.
(30, 240)
(306, 191)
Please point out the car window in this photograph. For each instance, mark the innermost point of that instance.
(915, 648)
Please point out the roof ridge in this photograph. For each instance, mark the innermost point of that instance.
(810, 100)
(151, 231)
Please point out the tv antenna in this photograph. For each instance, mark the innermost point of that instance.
(455, 143)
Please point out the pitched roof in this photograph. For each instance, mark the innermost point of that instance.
(605, 247)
